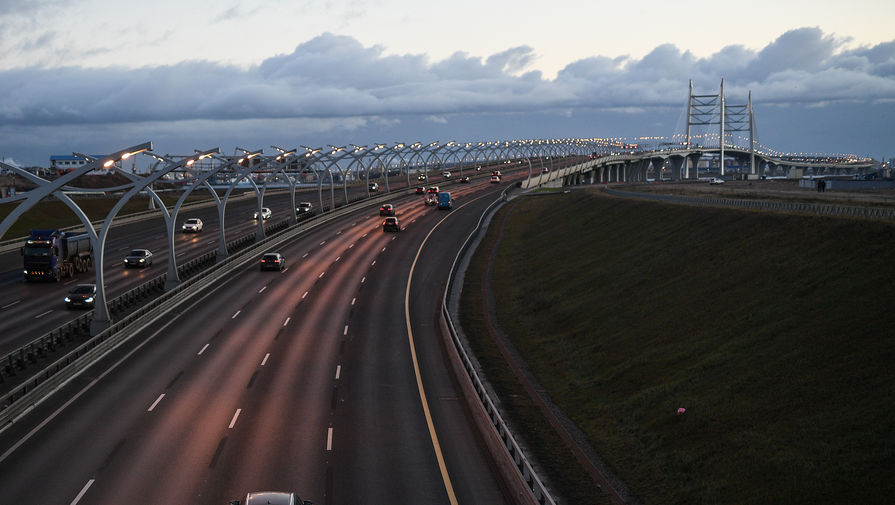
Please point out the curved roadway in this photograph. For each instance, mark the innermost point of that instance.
(301, 380)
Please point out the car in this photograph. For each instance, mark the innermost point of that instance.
(496, 172)
(716, 180)
(304, 208)
(272, 261)
(464, 179)
(193, 224)
(138, 258)
(446, 175)
(421, 190)
(495, 179)
(391, 223)
(374, 186)
(387, 209)
(271, 498)
(421, 177)
(265, 213)
(478, 168)
(81, 296)
(432, 189)
(545, 170)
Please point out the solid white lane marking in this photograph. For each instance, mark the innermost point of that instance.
(287, 321)
(43, 314)
(329, 438)
(10, 304)
(264, 361)
(235, 417)
(262, 290)
(202, 350)
(345, 331)
(155, 402)
(83, 491)
(338, 371)
(234, 315)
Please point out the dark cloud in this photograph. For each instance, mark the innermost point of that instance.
(333, 84)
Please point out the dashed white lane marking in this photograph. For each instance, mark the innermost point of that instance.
(262, 290)
(338, 371)
(304, 295)
(345, 331)
(234, 315)
(364, 235)
(321, 274)
(338, 258)
(264, 361)
(83, 491)
(353, 300)
(393, 238)
(352, 245)
(323, 243)
(235, 417)
(339, 232)
(329, 438)
(287, 321)
(306, 255)
(42, 314)
(155, 402)
(363, 279)
(10, 304)
(383, 249)
(374, 262)
(202, 349)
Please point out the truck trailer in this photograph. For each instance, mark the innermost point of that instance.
(52, 255)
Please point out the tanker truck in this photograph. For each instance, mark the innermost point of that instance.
(52, 254)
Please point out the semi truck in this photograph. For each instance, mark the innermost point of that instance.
(444, 200)
(53, 254)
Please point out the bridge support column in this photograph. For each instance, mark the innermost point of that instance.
(691, 169)
(676, 163)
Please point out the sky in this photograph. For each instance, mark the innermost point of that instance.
(98, 76)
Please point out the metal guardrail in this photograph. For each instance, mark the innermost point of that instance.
(25, 396)
(823, 209)
(514, 451)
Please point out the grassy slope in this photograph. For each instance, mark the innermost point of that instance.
(773, 331)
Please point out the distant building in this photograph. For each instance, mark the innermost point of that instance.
(61, 163)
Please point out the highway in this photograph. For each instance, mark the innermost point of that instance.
(301, 380)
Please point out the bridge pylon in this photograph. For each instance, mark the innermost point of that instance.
(710, 110)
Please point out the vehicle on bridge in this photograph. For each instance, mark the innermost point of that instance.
(304, 208)
(445, 202)
(271, 498)
(273, 261)
(420, 190)
(495, 179)
(138, 258)
(464, 179)
(387, 209)
(81, 296)
(391, 223)
(193, 224)
(265, 213)
(716, 180)
(51, 255)
(446, 175)
(374, 186)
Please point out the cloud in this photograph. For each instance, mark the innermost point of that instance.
(333, 84)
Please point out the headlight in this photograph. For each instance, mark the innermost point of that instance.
(67, 299)
(142, 260)
(89, 299)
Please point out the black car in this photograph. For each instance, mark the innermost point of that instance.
(464, 179)
(391, 224)
(138, 258)
(81, 296)
(273, 261)
(420, 190)
(387, 210)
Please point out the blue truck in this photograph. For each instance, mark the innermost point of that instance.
(444, 200)
(53, 254)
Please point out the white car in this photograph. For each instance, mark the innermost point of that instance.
(193, 224)
(446, 175)
(716, 180)
(265, 213)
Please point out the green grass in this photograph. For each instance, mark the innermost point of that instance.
(773, 331)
